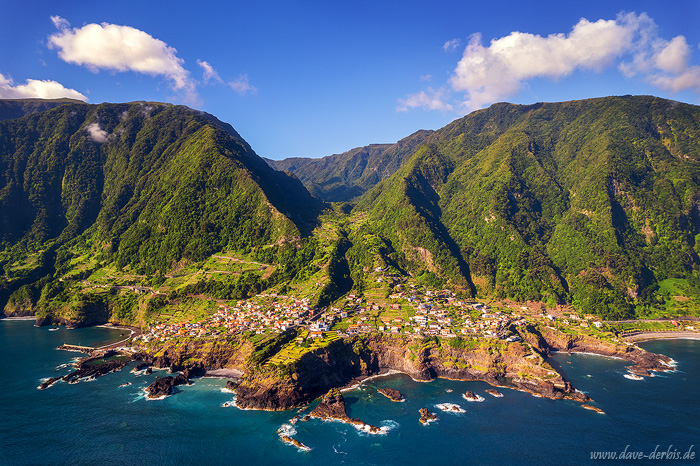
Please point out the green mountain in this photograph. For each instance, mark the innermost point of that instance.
(16, 108)
(342, 177)
(144, 187)
(594, 202)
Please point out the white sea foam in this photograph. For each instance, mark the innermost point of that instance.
(633, 377)
(478, 398)
(227, 390)
(286, 429)
(450, 408)
(367, 429)
(150, 398)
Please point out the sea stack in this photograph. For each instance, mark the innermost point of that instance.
(393, 395)
(426, 416)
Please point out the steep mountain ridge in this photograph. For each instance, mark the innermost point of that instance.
(592, 202)
(141, 185)
(343, 177)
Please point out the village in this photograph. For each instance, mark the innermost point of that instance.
(410, 311)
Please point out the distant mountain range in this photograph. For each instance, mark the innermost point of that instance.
(594, 203)
(346, 176)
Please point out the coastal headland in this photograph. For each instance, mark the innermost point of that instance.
(518, 365)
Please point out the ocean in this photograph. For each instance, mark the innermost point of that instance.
(101, 423)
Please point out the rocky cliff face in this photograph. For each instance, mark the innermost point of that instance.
(494, 362)
(196, 354)
(547, 340)
(518, 365)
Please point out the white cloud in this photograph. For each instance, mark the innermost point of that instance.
(96, 133)
(120, 48)
(209, 72)
(242, 85)
(428, 100)
(451, 45)
(674, 56)
(493, 72)
(59, 22)
(37, 89)
(426, 77)
(689, 79)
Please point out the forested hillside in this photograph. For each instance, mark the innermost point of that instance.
(591, 202)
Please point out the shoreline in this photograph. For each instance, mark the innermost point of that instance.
(359, 381)
(19, 318)
(649, 336)
(224, 374)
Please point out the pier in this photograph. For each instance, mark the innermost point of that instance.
(81, 349)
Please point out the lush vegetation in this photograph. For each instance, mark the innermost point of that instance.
(592, 203)
(342, 177)
(144, 187)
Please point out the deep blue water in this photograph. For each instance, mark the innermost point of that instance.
(100, 423)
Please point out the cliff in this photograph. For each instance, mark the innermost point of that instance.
(517, 365)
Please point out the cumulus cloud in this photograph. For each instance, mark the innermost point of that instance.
(428, 100)
(451, 45)
(209, 73)
(120, 48)
(488, 74)
(689, 79)
(499, 69)
(95, 133)
(242, 85)
(36, 89)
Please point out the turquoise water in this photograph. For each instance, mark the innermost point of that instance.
(100, 423)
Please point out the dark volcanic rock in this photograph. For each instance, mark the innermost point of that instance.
(426, 416)
(331, 407)
(48, 383)
(88, 368)
(181, 379)
(148, 371)
(469, 395)
(141, 366)
(231, 385)
(393, 395)
(162, 386)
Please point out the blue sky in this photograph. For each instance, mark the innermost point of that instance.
(316, 78)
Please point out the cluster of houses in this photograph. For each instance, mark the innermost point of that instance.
(407, 311)
(244, 316)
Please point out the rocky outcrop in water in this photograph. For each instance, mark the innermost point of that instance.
(162, 386)
(332, 407)
(48, 383)
(393, 395)
(592, 408)
(90, 369)
(426, 416)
